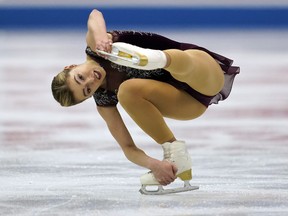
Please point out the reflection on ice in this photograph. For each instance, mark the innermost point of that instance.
(57, 161)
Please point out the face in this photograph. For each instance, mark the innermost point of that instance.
(85, 79)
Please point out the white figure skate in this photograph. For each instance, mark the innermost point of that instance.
(136, 57)
(176, 153)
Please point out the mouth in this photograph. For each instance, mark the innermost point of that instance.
(97, 75)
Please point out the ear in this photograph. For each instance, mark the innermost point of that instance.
(70, 66)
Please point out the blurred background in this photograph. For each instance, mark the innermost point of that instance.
(159, 14)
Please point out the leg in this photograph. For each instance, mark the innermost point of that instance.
(148, 101)
(196, 68)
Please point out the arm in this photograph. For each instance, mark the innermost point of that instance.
(97, 36)
(163, 171)
(119, 131)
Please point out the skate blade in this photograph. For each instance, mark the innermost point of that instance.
(135, 57)
(115, 57)
(162, 191)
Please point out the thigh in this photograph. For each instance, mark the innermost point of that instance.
(170, 101)
(196, 68)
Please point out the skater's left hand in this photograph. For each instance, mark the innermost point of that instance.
(97, 37)
(165, 172)
(104, 45)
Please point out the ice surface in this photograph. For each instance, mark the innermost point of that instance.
(59, 161)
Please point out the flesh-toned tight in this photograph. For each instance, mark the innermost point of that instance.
(149, 101)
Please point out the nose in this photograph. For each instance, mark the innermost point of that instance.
(90, 79)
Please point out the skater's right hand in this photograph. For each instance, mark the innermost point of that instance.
(165, 172)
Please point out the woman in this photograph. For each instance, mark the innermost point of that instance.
(152, 77)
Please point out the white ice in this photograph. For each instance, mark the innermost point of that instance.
(62, 161)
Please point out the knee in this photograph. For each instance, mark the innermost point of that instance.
(128, 91)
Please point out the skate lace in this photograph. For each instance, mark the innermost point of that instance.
(167, 154)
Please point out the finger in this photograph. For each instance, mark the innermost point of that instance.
(166, 181)
(101, 54)
(105, 43)
(163, 181)
(108, 47)
(175, 169)
(104, 47)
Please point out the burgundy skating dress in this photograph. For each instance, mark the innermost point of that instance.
(116, 74)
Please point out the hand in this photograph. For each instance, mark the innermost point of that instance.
(104, 45)
(97, 36)
(165, 172)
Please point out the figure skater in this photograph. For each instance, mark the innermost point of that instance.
(152, 77)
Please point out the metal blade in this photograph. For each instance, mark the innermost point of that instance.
(162, 191)
(114, 57)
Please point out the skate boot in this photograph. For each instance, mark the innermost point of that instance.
(136, 57)
(176, 153)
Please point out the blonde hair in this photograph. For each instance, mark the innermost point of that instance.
(61, 91)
